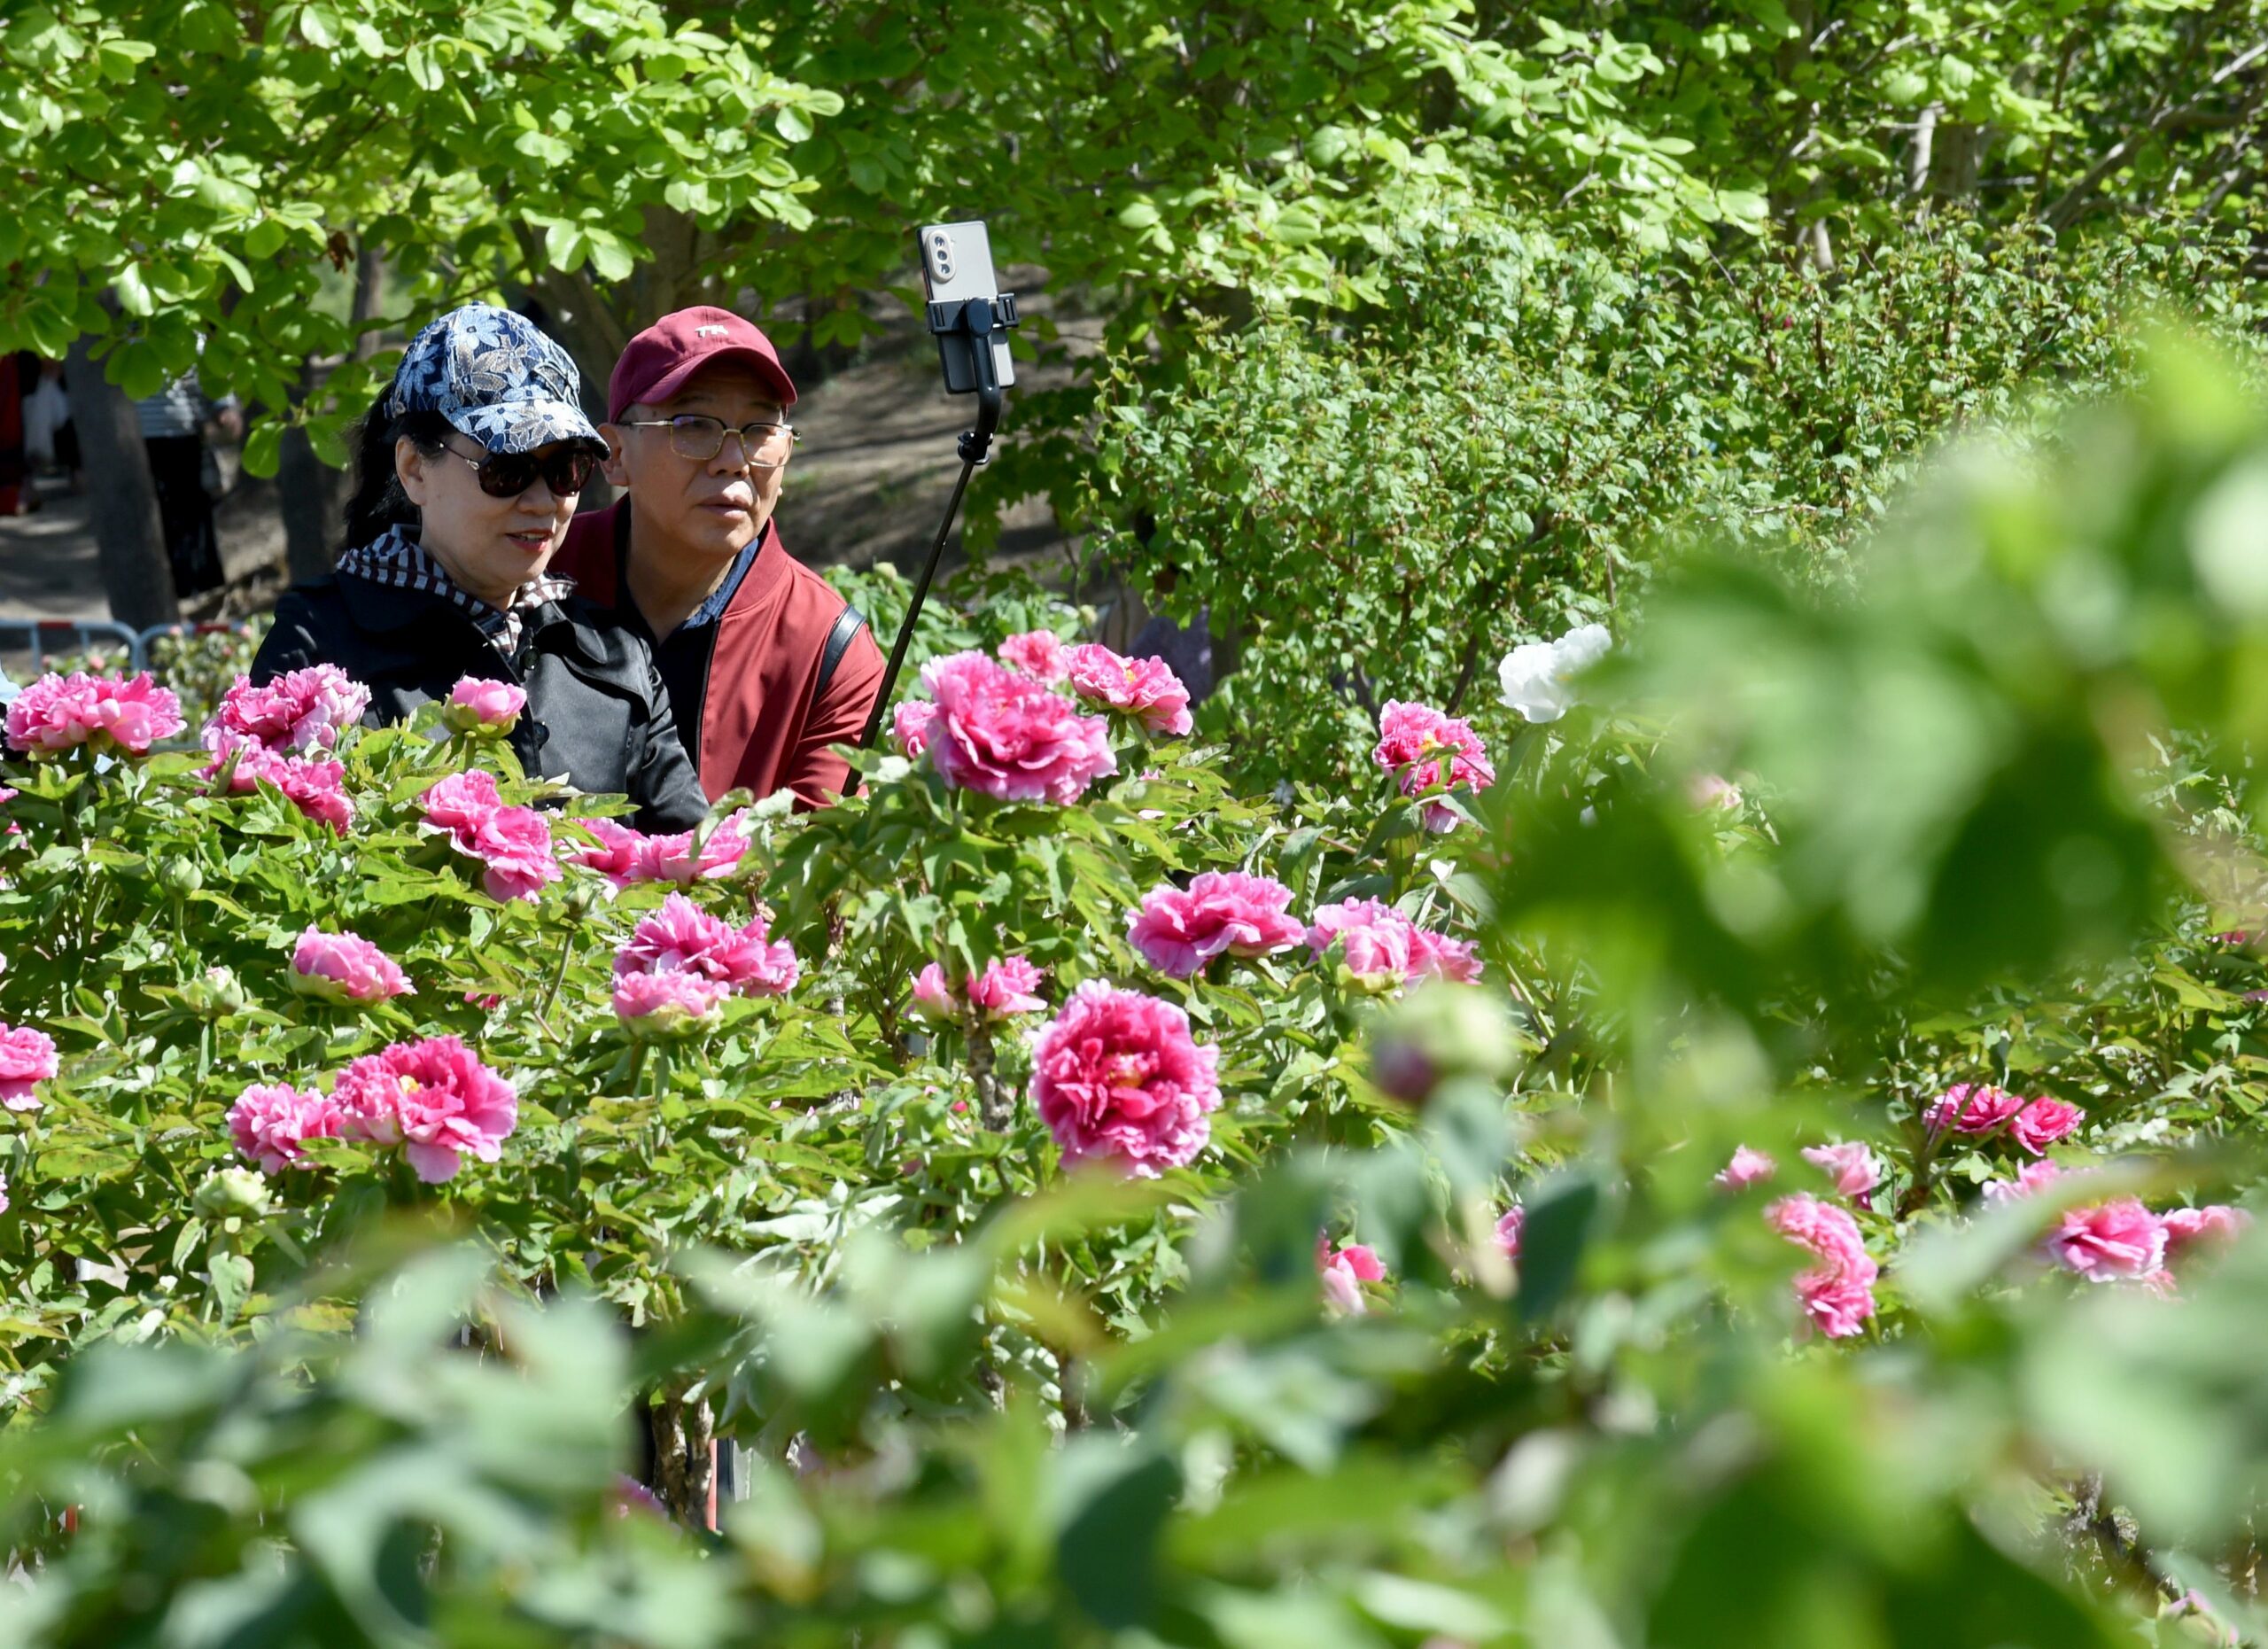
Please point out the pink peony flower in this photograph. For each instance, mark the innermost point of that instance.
(1709, 791)
(1852, 1167)
(345, 967)
(1006, 736)
(461, 803)
(2214, 1226)
(674, 859)
(933, 998)
(1345, 1272)
(2043, 1122)
(434, 1099)
(513, 844)
(26, 1056)
(2029, 1179)
(626, 856)
(2111, 1240)
(1976, 1108)
(1177, 931)
(301, 712)
(622, 855)
(1039, 654)
(476, 705)
(272, 1120)
(56, 711)
(1006, 988)
(667, 1001)
(515, 848)
(1747, 1167)
(682, 938)
(1510, 1227)
(1837, 1294)
(1426, 750)
(1437, 956)
(1146, 688)
(1116, 1076)
(909, 726)
(316, 788)
(1382, 948)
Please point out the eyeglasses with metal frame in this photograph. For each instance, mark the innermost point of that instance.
(764, 445)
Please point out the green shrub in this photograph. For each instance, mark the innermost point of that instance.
(1380, 505)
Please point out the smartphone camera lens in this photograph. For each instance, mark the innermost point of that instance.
(941, 255)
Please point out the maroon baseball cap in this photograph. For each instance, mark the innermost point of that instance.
(659, 361)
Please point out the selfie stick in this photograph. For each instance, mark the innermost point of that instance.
(982, 320)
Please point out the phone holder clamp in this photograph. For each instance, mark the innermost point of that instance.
(984, 321)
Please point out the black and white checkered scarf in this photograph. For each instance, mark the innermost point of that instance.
(395, 558)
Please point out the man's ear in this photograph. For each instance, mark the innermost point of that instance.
(411, 469)
(616, 465)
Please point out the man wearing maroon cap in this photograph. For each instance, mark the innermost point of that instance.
(766, 665)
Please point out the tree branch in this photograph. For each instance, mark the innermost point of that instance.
(2075, 199)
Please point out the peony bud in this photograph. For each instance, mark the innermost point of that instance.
(218, 993)
(484, 709)
(231, 1191)
(1441, 1032)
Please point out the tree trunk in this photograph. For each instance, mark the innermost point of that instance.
(308, 494)
(369, 272)
(1918, 158)
(312, 494)
(684, 1440)
(122, 501)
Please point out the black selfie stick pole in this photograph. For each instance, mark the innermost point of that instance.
(983, 318)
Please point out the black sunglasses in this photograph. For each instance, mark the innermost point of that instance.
(566, 470)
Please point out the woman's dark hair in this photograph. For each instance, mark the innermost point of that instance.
(378, 502)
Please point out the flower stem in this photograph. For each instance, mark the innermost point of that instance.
(995, 1107)
(558, 974)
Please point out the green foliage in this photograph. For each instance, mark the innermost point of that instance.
(1982, 836)
(1379, 507)
(1859, 116)
(206, 166)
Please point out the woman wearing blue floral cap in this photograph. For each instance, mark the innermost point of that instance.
(467, 473)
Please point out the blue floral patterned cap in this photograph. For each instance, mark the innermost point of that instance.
(494, 376)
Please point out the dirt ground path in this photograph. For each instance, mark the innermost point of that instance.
(868, 484)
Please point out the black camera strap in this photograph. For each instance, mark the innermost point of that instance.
(847, 622)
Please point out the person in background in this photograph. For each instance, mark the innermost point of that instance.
(766, 665)
(173, 433)
(50, 439)
(15, 471)
(467, 472)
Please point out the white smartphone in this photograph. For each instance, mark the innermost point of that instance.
(956, 266)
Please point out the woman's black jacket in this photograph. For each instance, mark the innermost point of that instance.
(597, 713)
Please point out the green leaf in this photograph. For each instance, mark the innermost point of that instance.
(133, 294)
(1114, 1503)
(263, 447)
(611, 259)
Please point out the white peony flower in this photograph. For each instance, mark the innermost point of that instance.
(1538, 677)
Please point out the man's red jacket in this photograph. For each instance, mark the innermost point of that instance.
(759, 726)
